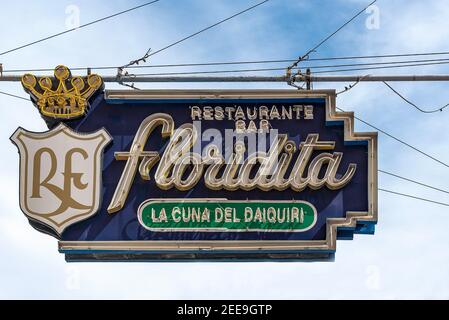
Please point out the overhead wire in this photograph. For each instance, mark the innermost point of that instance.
(399, 140)
(313, 49)
(305, 56)
(122, 72)
(13, 95)
(391, 64)
(349, 87)
(77, 28)
(383, 67)
(207, 28)
(266, 61)
(414, 197)
(412, 181)
(398, 63)
(413, 104)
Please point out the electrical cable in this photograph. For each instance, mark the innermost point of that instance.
(412, 181)
(414, 105)
(207, 28)
(399, 140)
(305, 56)
(79, 27)
(273, 69)
(384, 67)
(13, 95)
(253, 62)
(414, 197)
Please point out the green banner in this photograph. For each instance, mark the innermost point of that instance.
(226, 215)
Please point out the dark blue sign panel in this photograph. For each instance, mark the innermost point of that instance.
(272, 174)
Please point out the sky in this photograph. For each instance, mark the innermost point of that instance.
(407, 258)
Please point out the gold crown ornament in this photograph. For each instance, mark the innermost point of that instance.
(62, 97)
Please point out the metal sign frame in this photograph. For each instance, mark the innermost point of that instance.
(356, 222)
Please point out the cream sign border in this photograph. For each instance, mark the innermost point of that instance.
(242, 246)
(97, 172)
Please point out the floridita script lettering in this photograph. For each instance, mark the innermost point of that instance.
(180, 168)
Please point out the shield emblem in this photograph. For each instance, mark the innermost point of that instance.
(60, 175)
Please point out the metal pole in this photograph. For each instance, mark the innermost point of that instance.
(298, 78)
(197, 79)
(376, 78)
